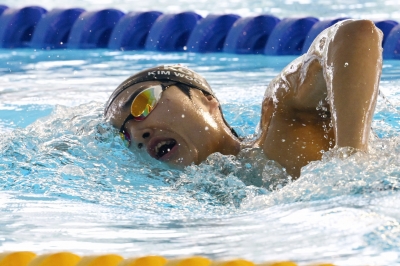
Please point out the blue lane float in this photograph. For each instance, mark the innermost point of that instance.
(249, 35)
(75, 28)
(17, 26)
(52, 31)
(2, 8)
(316, 29)
(386, 27)
(289, 35)
(93, 29)
(132, 30)
(210, 33)
(391, 48)
(171, 32)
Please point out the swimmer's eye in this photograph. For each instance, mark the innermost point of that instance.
(126, 138)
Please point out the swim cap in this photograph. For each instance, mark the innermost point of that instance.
(176, 73)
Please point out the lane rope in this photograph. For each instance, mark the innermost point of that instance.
(76, 28)
(27, 258)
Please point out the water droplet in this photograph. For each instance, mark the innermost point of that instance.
(206, 128)
(283, 140)
(183, 116)
(346, 64)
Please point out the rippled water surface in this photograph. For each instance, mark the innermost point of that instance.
(68, 183)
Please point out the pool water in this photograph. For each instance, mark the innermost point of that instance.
(68, 183)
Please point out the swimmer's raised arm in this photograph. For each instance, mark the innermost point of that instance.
(344, 65)
(325, 98)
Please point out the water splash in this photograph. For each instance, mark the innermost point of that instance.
(74, 154)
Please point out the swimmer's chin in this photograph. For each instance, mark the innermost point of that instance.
(171, 153)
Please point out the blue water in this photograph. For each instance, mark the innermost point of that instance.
(68, 183)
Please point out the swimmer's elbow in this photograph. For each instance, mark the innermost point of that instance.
(360, 30)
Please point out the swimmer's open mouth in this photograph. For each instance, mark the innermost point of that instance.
(163, 147)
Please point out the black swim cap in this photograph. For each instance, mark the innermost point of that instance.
(166, 73)
(176, 73)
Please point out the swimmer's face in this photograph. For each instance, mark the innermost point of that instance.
(179, 131)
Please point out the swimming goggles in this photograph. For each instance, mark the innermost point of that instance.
(143, 103)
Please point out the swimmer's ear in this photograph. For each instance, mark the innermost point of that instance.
(211, 103)
(207, 101)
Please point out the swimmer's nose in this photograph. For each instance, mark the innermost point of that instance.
(141, 137)
(144, 136)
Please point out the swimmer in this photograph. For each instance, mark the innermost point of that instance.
(323, 99)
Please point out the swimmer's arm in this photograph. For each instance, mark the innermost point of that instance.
(351, 69)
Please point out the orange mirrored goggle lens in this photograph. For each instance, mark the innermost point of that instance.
(142, 105)
(145, 102)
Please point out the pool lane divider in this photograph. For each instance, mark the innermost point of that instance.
(27, 258)
(76, 28)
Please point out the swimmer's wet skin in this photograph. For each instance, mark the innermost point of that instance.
(179, 124)
(323, 99)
